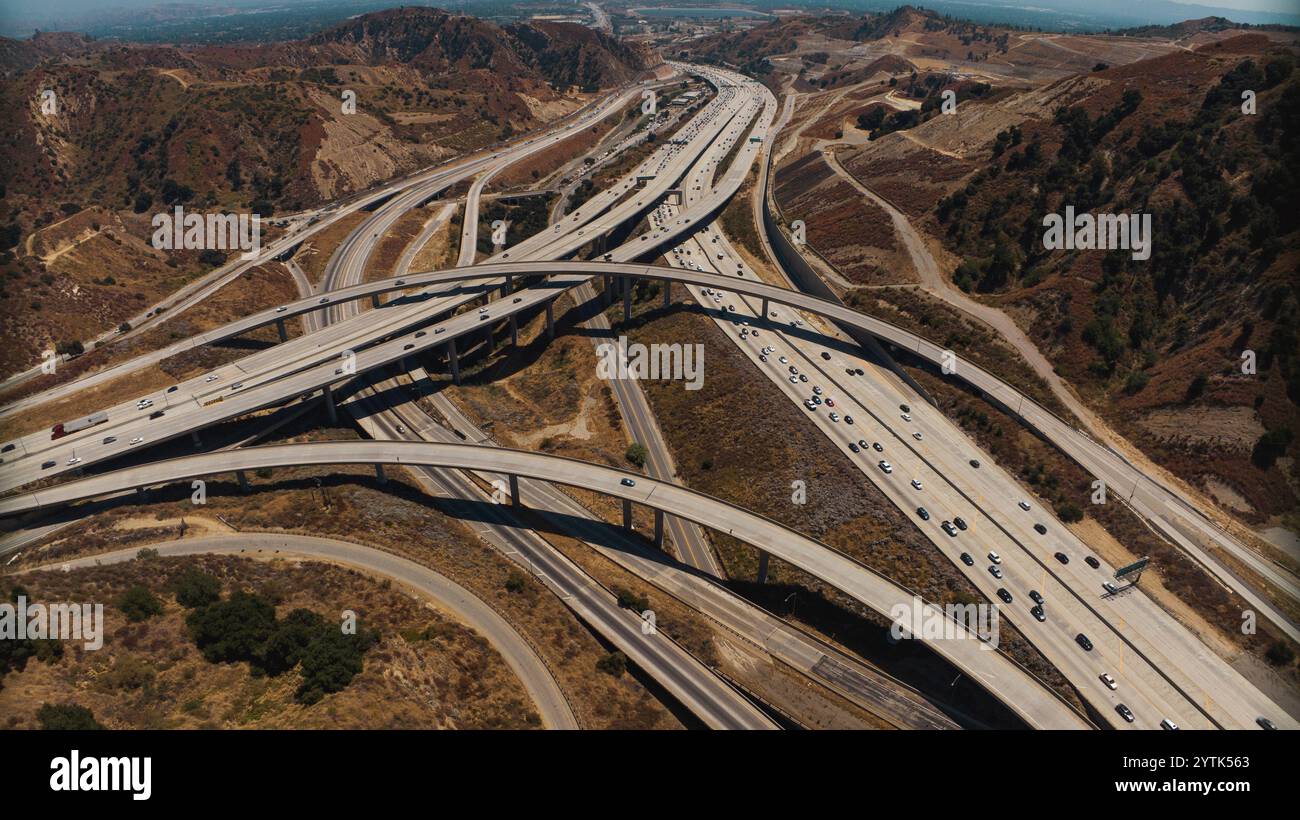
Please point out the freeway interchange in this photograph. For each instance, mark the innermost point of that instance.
(917, 457)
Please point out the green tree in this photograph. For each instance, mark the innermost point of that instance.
(195, 588)
(139, 604)
(636, 454)
(232, 630)
(66, 717)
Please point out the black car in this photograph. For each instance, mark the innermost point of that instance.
(1040, 529)
(905, 408)
(855, 448)
(1265, 723)
(1063, 558)
(848, 370)
(408, 346)
(877, 447)
(1038, 614)
(975, 462)
(961, 525)
(173, 388)
(967, 560)
(826, 356)
(1036, 596)
(157, 414)
(1092, 562)
(1004, 595)
(924, 513)
(1082, 640)
(1124, 712)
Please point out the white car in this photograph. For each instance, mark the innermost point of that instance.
(907, 417)
(1024, 505)
(917, 435)
(916, 483)
(136, 441)
(886, 467)
(995, 558)
(210, 379)
(835, 416)
(1109, 681)
(74, 460)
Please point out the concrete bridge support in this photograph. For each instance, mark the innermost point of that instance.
(243, 481)
(763, 558)
(454, 357)
(627, 514)
(659, 528)
(280, 328)
(514, 491)
(550, 319)
(328, 395)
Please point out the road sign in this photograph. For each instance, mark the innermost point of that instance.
(1134, 569)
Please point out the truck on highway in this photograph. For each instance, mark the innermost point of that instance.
(63, 428)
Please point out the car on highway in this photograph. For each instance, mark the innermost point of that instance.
(995, 558)
(1039, 614)
(854, 447)
(995, 570)
(408, 346)
(886, 467)
(960, 522)
(917, 435)
(135, 441)
(47, 465)
(830, 402)
(157, 414)
(419, 333)
(949, 528)
(1168, 725)
(967, 560)
(848, 419)
(826, 356)
(627, 482)
(802, 377)
(1035, 596)
(1109, 681)
(975, 462)
(236, 386)
(923, 513)
(817, 389)
(1265, 723)
(211, 378)
(1004, 595)
(1092, 562)
(1062, 557)
(1082, 640)
(144, 404)
(835, 416)
(1109, 587)
(878, 447)
(324, 300)
(1040, 529)
(1124, 712)
(1024, 505)
(916, 484)
(281, 309)
(109, 439)
(907, 417)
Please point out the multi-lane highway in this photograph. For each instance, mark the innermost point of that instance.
(1009, 683)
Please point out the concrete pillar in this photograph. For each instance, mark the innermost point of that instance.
(243, 480)
(141, 494)
(514, 330)
(379, 474)
(550, 319)
(627, 514)
(401, 364)
(514, 491)
(284, 333)
(328, 395)
(194, 437)
(606, 293)
(762, 566)
(765, 308)
(659, 528)
(510, 283)
(374, 300)
(627, 298)
(668, 294)
(455, 361)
